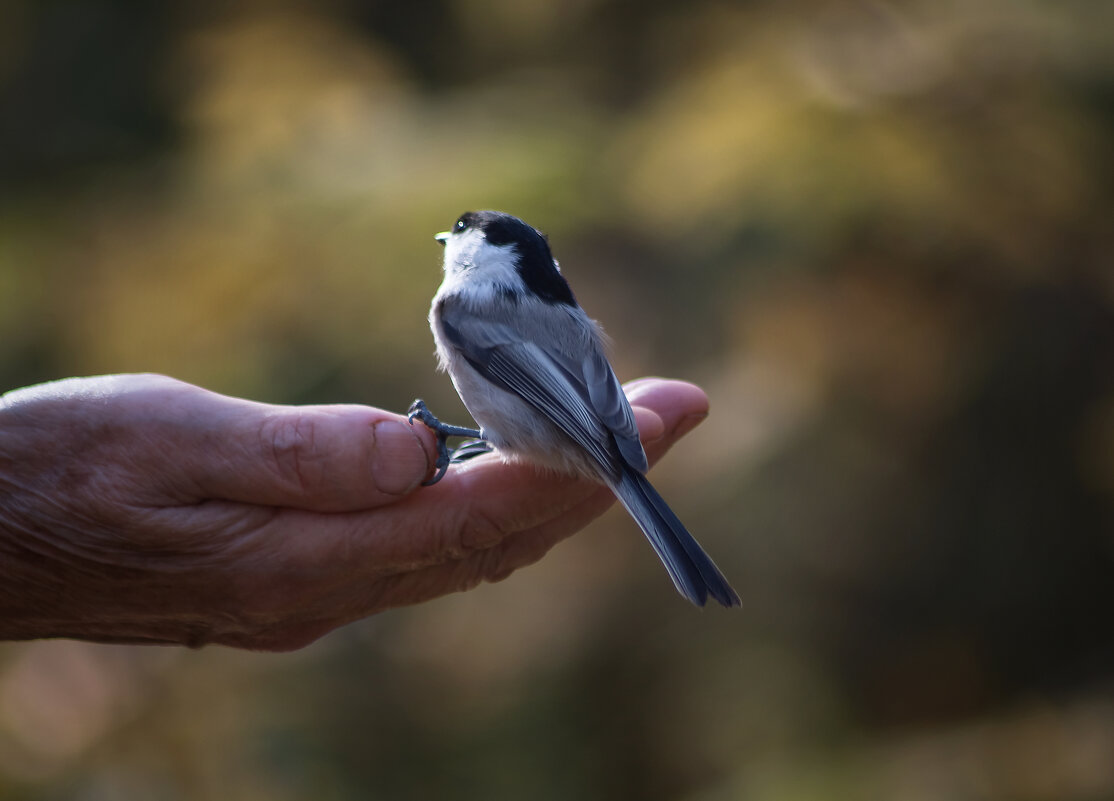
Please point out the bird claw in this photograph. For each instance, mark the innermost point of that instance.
(469, 450)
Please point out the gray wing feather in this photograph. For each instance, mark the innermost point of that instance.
(610, 403)
(584, 399)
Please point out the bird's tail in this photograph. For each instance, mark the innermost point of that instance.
(693, 572)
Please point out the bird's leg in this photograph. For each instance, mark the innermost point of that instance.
(468, 450)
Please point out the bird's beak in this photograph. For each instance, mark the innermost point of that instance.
(442, 237)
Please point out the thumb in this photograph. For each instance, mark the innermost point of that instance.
(333, 458)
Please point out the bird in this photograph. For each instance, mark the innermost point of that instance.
(530, 367)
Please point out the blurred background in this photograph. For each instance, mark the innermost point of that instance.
(879, 234)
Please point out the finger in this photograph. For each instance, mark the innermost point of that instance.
(684, 405)
(321, 458)
(480, 503)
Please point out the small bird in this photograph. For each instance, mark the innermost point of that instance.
(529, 365)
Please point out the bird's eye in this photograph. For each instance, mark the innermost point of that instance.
(460, 225)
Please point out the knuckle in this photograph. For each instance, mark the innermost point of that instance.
(254, 608)
(480, 543)
(483, 567)
(290, 442)
(495, 565)
(479, 531)
(472, 544)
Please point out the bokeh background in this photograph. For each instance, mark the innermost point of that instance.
(879, 234)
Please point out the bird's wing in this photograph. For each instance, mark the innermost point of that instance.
(611, 404)
(584, 399)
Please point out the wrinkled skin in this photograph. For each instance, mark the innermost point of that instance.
(137, 508)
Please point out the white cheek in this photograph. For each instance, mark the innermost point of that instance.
(460, 249)
(473, 263)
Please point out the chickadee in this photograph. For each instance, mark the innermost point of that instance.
(530, 367)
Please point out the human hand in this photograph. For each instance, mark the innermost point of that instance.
(137, 508)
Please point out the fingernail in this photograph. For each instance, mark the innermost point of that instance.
(400, 462)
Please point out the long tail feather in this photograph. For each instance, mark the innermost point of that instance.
(693, 572)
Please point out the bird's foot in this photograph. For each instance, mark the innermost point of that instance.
(473, 448)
